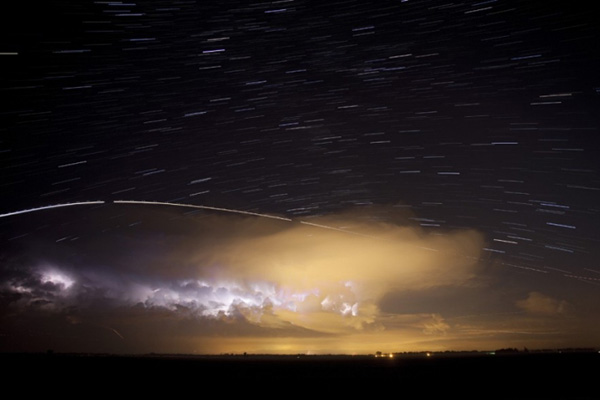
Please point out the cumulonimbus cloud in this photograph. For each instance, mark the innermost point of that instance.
(327, 276)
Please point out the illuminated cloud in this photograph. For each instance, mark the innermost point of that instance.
(222, 283)
(57, 278)
(538, 303)
(330, 280)
(327, 277)
(437, 326)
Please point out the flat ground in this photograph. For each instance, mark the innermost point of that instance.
(514, 376)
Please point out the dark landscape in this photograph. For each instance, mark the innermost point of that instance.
(571, 374)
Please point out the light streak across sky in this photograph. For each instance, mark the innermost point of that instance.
(30, 210)
(156, 203)
(335, 229)
(201, 207)
(229, 210)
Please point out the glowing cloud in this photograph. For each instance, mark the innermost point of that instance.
(326, 276)
(211, 281)
(342, 276)
(58, 278)
(537, 303)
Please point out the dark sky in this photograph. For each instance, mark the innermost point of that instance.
(447, 151)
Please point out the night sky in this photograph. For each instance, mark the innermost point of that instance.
(366, 175)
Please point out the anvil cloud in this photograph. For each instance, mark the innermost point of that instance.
(212, 283)
(271, 275)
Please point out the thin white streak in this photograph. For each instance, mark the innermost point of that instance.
(117, 333)
(336, 229)
(561, 225)
(160, 203)
(81, 203)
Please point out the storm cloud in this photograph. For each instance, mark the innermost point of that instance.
(131, 278)
(325, 277)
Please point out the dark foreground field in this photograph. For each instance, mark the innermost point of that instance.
(565, 376)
